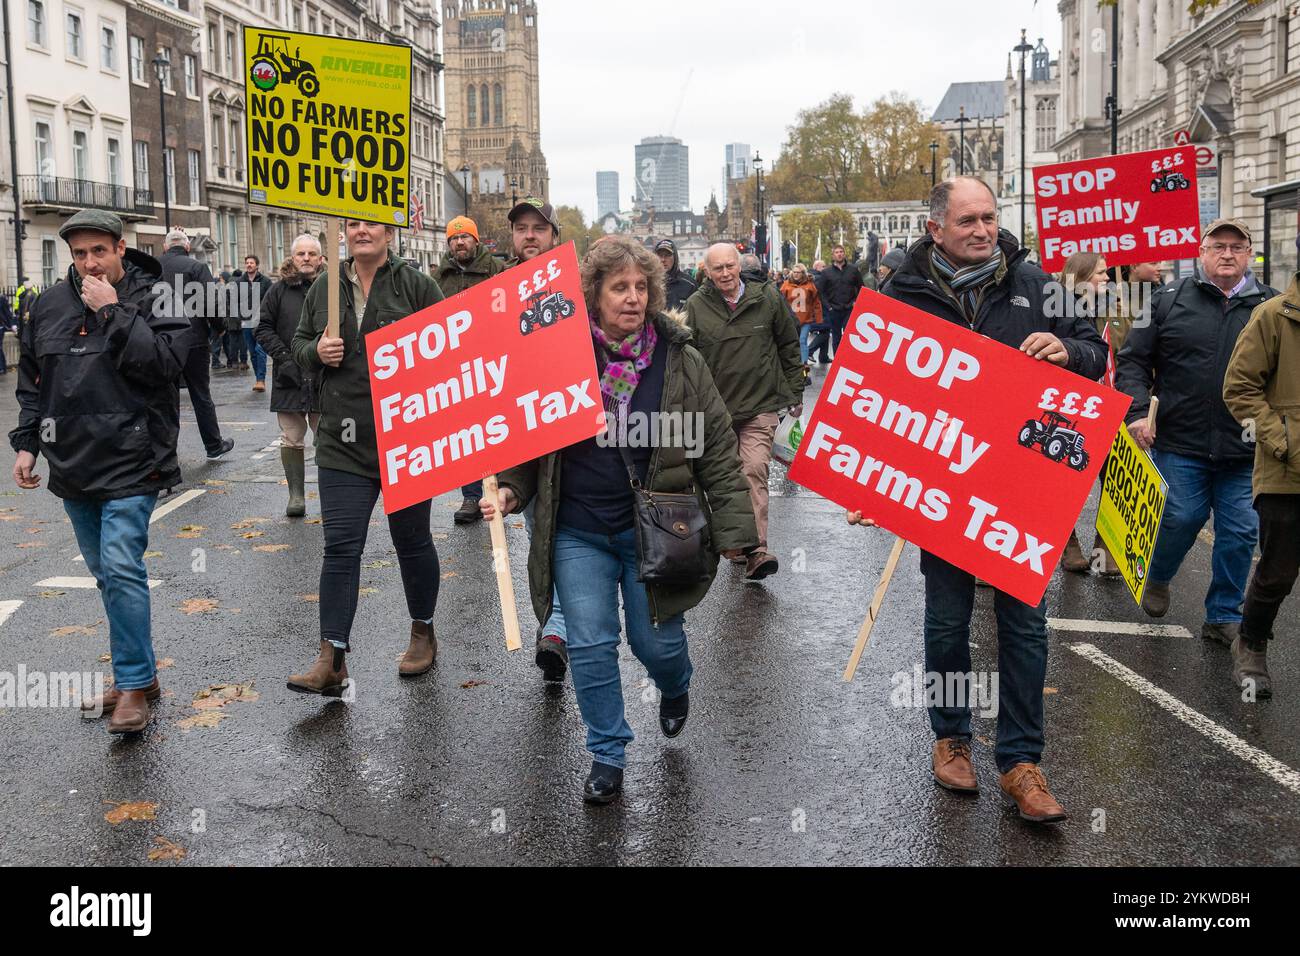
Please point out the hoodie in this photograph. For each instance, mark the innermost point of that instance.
(677, 286)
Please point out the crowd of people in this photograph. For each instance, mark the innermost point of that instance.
(102, 363)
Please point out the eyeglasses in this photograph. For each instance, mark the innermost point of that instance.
(1237, 248)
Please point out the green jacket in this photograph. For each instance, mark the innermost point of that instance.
(715, 474)
(453, 279)
(397, 291)
(753, 352)
(1262, 385)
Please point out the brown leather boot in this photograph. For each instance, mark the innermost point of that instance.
(106, 703)
(1073, 558)
(952, 766)
(1026, 787)
(131, 714)
(327, 676)
(421, 653)
(1109, 566)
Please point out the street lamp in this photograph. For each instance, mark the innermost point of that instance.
(464, 175)
(934, 158)
(514, 196)
(760, 230)
(161, 65)
(1023, 49)
(1112, 101)
(961, 122)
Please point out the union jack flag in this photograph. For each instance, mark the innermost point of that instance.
(417, 212)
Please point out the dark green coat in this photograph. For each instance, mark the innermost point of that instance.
(453, 279)
(397, 291)
(753, 352)
(716, 476)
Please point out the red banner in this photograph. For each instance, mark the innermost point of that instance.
(1139, 207)
(499, 375)
(967, 448)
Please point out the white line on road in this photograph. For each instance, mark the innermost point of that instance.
(7, 609)
(184, 498)
(1225, 738)
(258, 457)
(1117, 627)
(79, 583)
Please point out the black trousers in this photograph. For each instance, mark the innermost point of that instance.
(197, 382)
(346, 502)
(1279, 564)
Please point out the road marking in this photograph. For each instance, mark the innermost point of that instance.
(184, 498)
(1225, 738)
(257, 457)
(1118, 627)
(7, 609)
(79, 583)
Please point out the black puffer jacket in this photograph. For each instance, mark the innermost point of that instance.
(97, 391)
(195, 282)
(1184, 351)
(676, 285)
(839, 287)
(1015, 309)
(292, 389)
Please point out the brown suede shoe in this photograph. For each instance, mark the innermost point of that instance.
(327, 676)
(1107, 566)
(131, 714)
(1073, 558)
(760, 565)
(106, 703)
(1026, 787)
(952, 766)
(421, 653)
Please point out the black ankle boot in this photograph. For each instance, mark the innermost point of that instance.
(672, 714)
(604, 783)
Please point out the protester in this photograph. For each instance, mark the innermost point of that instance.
(968, 272)
(801, 292)
(376, 288)
(249, 300)
(1262, 391)
(24, 296)
(839, 285)
(192, 289)
(98, 398)
(584, 544)
(889, 264)
(464, 265)
(678, 287)
(232, 340)
(7, 324)
(747, 334)
(293, 388)
(1183, 345)
(869, 278)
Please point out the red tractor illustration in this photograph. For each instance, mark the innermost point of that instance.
(544, 309)
(1058, 439)
(1169, 182)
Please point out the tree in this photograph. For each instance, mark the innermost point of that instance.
(823, 157)
(898, 140)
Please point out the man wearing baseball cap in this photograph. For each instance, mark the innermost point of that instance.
(464, 265)
(534, 229)
(1178, 352)
(101, 356)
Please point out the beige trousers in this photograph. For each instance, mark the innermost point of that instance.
(293, 427)
(755, 437)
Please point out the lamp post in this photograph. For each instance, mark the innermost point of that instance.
(961, 123)
(161, 65)
(514, 196)
(934, 158)
(760, 231)
(464, 176)
(1023, 49)
(1112, 101)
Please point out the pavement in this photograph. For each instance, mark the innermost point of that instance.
(1149, 747)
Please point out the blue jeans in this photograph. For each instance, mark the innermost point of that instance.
(1198, 486)
(113, 536)
(836, 319)
(258, 355)
(590, 571)
(474, 490)
(1022, 662)
(553, 626)
(805, 329)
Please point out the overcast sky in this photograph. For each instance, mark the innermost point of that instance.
(712, 72)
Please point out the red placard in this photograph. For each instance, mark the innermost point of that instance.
(957, 443)
(501, 374)
(1139, 207)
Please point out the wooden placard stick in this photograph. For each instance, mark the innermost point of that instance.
(1151, 417)
(501, 563)
(336, 268)
(864, 634)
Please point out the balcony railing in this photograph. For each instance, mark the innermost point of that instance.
(67, 193)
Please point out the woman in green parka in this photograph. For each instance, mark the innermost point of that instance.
(583, 539)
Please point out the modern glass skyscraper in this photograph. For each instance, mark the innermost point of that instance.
(663, 173)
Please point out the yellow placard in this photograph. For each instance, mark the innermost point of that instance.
(329, 125)
(1132, 504)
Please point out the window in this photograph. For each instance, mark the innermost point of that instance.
(472, 114)
(74, 36)
(218, 153)
(214, 52)
(166, 68)
(136, 51)
(36, 22)
(44, 142)
(230, 69)
(114, 161)
(80, 154)
(141, 165)
(1283, 45)
(195, 157)
(483, 106)
(108, 48)
(232, 239)
(191, 76)
(169, 173)
(1045, 124)
(236, 158)
(498, 101)
(49, 262)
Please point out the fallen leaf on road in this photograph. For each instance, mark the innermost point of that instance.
(271, 548)
(312, 521)
(11, 517)
(253, 534)
(215, 491)
(106, 658)
(166, 850)
(153, 554)
(204, 718)
(73, 629)
(450, 574)
(219, 695)
(984, 740)
(52, 594)
(248, 523)
(377, 564)
(165, 663)
(472, 683)
(214, 482)
(32, 544)
(1050, 690)
(198, 605)
(122, 812)
(363, 592)
(310, 598)
(312, 496)
(440, 536)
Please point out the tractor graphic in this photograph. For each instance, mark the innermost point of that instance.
(544, 308)
(1169, 182)
(1057, 437)
(1137, 567)
(273, 64)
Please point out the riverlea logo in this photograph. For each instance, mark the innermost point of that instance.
(77, 909)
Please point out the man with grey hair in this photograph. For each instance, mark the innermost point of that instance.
(969, 272)
(192, 292)
(750, 340)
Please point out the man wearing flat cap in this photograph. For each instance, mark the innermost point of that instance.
(97, 393)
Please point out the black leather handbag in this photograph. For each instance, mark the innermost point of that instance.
(673, 544)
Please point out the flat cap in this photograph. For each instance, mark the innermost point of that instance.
(96, 220)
